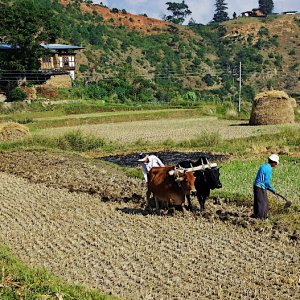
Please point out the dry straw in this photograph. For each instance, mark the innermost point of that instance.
(272, 107)
(12, 131)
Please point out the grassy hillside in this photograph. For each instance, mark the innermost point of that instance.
(277, 39)
(132, 58)
(201, 58)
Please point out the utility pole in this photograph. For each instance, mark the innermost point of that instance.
(240, 89)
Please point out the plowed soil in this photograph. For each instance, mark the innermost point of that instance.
(168, 157)
(119, 249)
(73, 173)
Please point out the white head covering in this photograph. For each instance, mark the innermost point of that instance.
(143, 157)
(274, 157)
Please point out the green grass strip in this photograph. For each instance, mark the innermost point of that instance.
(18, 281)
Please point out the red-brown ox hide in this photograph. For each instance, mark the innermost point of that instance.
(169, 189)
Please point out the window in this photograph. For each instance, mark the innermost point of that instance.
(65, 61)
(61, 64)
(46, 59)
(71, 61)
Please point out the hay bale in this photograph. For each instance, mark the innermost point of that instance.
(294, 102)
(12, 131)
(47, 91)
(2, 97)
(60, 81)
(272, 107)
(30, 92)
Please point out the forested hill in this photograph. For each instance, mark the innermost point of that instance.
(158, 60)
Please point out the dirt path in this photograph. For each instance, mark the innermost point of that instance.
(107, 245)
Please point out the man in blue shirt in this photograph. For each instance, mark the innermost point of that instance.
(262, 183)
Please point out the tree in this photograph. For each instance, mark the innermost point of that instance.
(192, 22)
(179, 12)
(17, 94)
(114, 10)
(266, 6)
(25, 25)
(220, 12)
(234, 15)
(208, 79)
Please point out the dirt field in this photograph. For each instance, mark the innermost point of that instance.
(118, 248)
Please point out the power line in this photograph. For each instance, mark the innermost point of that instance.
(35, 75)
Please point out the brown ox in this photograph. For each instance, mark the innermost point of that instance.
(169, 185)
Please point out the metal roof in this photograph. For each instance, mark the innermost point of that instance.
(61, 47)
(5, 46)
(290, 11)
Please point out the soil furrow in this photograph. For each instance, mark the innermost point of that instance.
(133, 256)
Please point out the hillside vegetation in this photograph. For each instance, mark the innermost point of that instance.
(132, 58)
(145, 59)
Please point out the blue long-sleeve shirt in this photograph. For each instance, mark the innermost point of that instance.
(263, 177)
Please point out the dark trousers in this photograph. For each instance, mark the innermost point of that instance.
(261, 205)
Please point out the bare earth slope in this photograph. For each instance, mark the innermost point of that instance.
(114, 247)
(73, 173)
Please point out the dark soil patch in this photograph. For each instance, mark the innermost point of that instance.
(167, 157)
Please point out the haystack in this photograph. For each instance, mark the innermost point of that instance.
(272, 107)
(12, 131)
(30, 92)
(47, 91)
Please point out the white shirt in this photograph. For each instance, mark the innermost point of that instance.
(154, 161)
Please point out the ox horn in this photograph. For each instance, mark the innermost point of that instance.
(202, 167)
(172, 172)
(179, 179)
(177, 172)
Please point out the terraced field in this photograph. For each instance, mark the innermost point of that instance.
(118, 248)
(160, 130)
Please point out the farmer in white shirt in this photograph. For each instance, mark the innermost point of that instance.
(149, 161)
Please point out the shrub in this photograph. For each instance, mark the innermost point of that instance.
(129, 59)
(248, 92)
(263, 31)
(274, 40)
(250, 39)
(278, 60)
(115, 10)
(83, 68)
(294, 66)
(16, 94)
(269, 84)
(291, 136)
(208, 79)
(77, 141)
(205, 139)
(292, 52)
(231, 114)
(25, 120)
(209, 110)
(48, 91)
